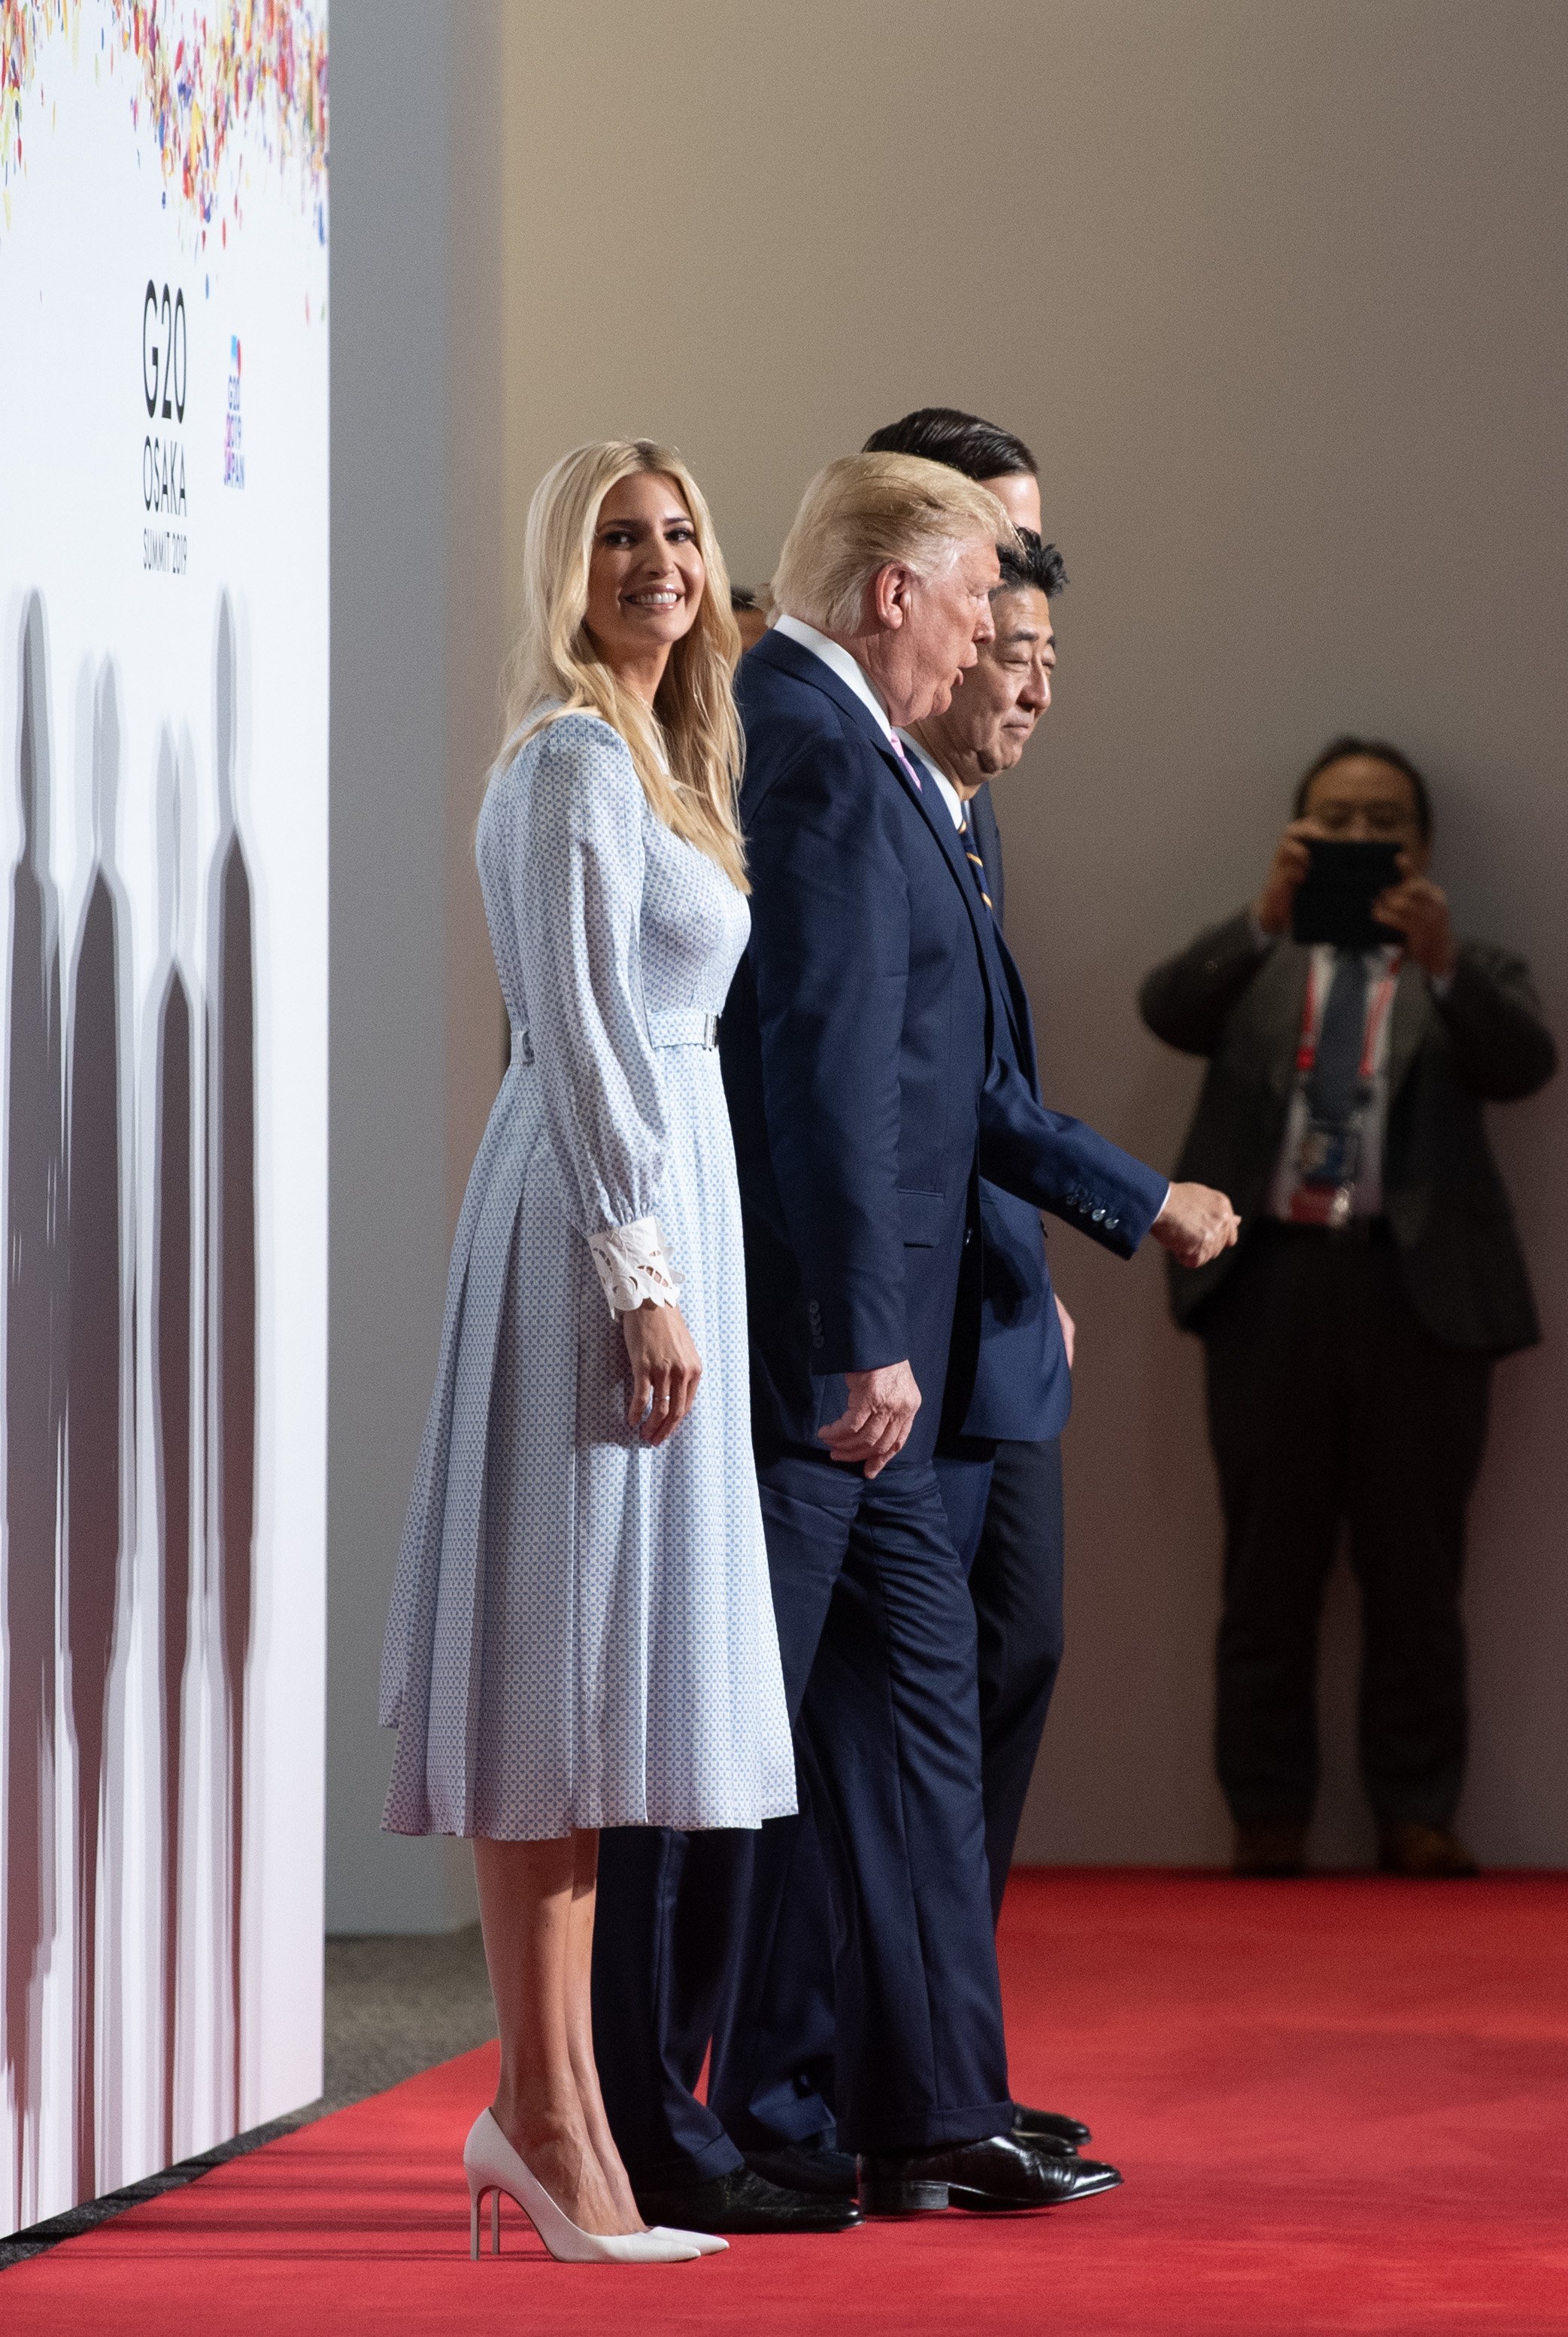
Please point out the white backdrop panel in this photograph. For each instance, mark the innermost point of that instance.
(163, 813)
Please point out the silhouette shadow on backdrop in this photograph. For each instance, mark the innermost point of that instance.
(173, 1172)
(35, 1335)
(70, 1403)
(231, 1281)
(97, 1396)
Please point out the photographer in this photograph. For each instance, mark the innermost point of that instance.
(1350, 1337)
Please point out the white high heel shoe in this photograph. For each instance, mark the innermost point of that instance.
(492, 2166)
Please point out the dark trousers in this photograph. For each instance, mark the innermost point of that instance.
(1330, 1406)
(878, 1640)
(668, 1926)
(1016, 1585)
(772, 2079)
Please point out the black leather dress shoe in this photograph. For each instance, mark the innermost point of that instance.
(1048, 2130)
(996, 2174)
(1269, 1849)
(1426, 1853)
(807, 2166)
(741, 2200)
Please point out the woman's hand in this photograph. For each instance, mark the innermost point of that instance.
(664, 1370)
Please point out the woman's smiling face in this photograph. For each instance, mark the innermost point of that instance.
(646, 576)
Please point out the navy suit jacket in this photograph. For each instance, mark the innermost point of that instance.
(866, 1092)
(1022, 1386)
(1023, 1383)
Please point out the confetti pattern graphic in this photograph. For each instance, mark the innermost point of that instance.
(251, 74)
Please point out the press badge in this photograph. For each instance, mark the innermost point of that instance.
(1327, 1164)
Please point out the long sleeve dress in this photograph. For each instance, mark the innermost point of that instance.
(582, 1632)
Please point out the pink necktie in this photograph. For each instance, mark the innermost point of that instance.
(898, 748)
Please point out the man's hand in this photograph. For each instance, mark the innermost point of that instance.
(1196, 1224)
(1289, 864)
(876, 1421)
(1419, 909)
(1070, 1330)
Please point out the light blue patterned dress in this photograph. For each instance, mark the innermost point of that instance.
(582, 1632)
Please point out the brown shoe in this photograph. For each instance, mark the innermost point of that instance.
(1272, 1848)
(1426, 1853)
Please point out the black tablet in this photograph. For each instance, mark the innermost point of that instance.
(1334, 900)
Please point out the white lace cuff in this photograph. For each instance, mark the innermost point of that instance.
(632, 1266)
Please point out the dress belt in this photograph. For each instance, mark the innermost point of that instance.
(672, 1026)
(682, 1026)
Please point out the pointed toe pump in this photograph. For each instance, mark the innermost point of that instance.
(492, 2166)
(706, 2244)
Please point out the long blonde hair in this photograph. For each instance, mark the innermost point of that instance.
(687, 747)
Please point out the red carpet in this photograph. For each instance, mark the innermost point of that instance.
(1341, 2105)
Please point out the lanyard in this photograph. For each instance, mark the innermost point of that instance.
(1377, 1008)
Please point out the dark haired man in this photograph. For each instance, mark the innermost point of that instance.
(999, 460)
(1350, 1337)
(1000, 1465)
(1014, 1541)
(1016, 1578)
(998, 1469)
(981, 450)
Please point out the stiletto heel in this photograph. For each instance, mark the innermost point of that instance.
(492, 2166)
(478, 2191)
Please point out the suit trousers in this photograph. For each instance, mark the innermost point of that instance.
(1016, 1585)
(878, 1639)
(1331, 1407)
(772, 2078)
(1004, 1504)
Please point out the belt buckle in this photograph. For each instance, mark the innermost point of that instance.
(710, 1030)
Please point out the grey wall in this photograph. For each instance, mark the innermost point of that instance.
(418, 616)
(1277, 294)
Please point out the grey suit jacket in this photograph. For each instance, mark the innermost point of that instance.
(1452, 1222)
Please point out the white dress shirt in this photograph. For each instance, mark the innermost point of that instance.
(1372, 1113)
(951, 796)
(837, 659)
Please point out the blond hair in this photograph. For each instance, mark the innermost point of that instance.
(686, 747)
(865, 510)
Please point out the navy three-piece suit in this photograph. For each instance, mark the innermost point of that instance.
(873, 1074)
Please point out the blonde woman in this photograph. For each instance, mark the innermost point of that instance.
(582, 1633)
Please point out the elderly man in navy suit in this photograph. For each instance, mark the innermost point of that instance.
(873, 1077)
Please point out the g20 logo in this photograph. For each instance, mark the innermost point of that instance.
(163, 353)
(164, 358)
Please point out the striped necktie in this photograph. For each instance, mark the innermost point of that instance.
(973, 858)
